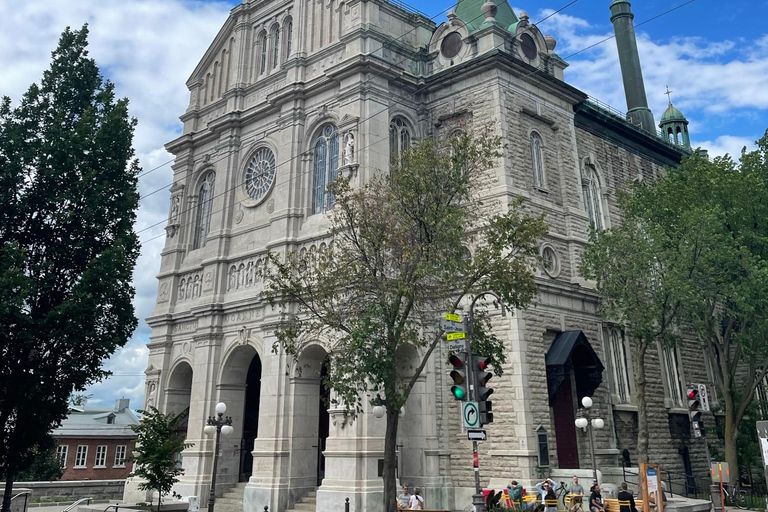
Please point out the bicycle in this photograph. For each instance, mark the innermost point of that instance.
(736, 497)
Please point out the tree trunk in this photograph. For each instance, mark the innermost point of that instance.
(731, 431)
(643, 437)
(8, 494)
(390, 460)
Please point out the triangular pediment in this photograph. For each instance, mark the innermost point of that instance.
(220, 42)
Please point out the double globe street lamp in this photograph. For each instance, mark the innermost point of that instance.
(590, 419)
(217, 425)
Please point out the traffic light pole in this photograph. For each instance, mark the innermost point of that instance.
(478, 500)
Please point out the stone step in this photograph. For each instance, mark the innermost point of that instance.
(305, 506)
(233, 495)
(229, 508)
(229, 501)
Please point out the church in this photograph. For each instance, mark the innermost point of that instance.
(291, 94)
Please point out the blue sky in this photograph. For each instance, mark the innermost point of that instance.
(713, 55)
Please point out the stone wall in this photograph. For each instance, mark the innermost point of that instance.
(71, 491)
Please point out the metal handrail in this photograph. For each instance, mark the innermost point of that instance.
(26, 497)
(681, 479)
(88, 500)
(116, 505)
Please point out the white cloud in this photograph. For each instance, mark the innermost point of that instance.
(148, 49)
(727, 144)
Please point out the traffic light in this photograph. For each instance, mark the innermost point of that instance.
(459, 390)
(694, 410)
(480, 366)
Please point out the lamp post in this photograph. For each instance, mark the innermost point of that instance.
(217, 425)
(589, 418)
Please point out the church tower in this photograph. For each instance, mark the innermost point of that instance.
(631, 72)
(674, 125)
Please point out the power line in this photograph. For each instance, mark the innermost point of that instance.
(301, 174)
(309, 152)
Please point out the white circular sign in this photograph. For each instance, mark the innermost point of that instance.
(470, 414)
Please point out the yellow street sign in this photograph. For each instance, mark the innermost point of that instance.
(455, 336)
(452, 317)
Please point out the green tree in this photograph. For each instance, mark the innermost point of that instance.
(399, 256)
(45, 466)
(690, 257)
(67, 247)
(158, 443)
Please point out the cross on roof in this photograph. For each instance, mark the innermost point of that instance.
(669, 95)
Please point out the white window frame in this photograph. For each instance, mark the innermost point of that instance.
(592, 192)
(82, 449)
(62, 451)
(537, 160)
(120, 451)
(620, 366)
(673, 377)
(101, 456)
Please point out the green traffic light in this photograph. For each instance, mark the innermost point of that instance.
(458, 393)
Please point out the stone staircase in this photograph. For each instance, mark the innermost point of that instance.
(307, 503)
(232, 500)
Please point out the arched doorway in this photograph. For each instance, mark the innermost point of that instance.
(177, 398)
(240, 388)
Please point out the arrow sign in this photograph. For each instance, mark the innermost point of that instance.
(452, 317)
(477, 434)
(470, 414)
(455, 336)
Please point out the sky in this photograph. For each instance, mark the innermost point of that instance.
(713, 55)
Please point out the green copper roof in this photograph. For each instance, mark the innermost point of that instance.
(469, 12)
(672, 114)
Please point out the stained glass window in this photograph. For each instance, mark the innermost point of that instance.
(399, 140)
(537, 158)
(326, 164)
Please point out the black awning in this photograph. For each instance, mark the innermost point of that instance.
(571, 350)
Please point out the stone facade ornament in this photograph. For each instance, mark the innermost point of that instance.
(174, 218)
(243, 336)
(349, 149)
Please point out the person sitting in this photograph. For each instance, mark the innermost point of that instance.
(596, 500)
(404, 500)
(515, 491)
(547, 490)
(417, 502)
(626, 496)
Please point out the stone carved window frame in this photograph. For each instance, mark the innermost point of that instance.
(589, 167)
(537, 156)
(615, 337)
(203, 212)
(320, 134)
(403, 129)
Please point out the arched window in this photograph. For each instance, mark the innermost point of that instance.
(399, 139)
(204, 209)
(326, 162)
(537, 159)
(288, 35)
(619, 365)
(275, 45)
(590, 184)
(263, 51)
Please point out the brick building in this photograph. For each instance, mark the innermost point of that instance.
(293, 92)
(94, 442)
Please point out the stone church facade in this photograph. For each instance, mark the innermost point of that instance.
(293, 93)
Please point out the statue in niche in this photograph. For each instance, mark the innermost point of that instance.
(173, 219)
(151, 395)
(349, 150)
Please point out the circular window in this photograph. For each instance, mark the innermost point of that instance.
(260, 174)
(529, 47)
(451, 45)
(550, 262)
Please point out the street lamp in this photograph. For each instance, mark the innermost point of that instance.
(217, 425)
(596, 422)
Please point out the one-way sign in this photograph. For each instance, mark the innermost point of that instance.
(477, 434)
